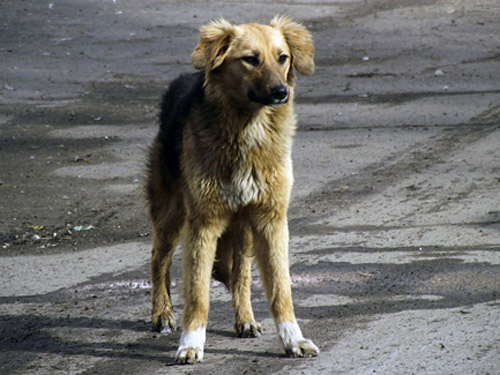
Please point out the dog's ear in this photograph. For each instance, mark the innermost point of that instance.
(300, 42)
(215, 38)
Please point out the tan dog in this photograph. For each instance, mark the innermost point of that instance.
(220, 173)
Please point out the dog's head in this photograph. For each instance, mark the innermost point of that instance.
(253, 62)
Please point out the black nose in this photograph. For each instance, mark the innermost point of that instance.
(279, 93)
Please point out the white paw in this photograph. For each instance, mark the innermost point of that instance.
(302, 348)
(189, 355)
(294, 343)
(191, 347)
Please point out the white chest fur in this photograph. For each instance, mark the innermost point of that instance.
(245, 186)
(246, 183)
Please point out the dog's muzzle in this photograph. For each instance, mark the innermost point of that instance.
(277, 95)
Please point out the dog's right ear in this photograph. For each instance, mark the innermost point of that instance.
(215, 38)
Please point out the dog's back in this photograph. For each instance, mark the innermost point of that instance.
(177, 104)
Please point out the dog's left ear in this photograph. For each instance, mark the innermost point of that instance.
(300, 42)
(215, 38)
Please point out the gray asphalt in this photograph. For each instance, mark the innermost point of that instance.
(395, 215)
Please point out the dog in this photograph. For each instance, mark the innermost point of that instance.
(220, 176)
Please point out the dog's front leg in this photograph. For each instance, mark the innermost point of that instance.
(199, 254)
(272, 257)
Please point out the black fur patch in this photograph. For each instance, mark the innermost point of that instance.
(177, 103)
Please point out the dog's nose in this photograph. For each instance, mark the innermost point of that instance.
(279, 93)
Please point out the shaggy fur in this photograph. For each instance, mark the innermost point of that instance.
(220, 175)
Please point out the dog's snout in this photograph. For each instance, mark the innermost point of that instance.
(279, 93)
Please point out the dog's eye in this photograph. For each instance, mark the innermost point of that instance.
(283, 59)
(252, 60)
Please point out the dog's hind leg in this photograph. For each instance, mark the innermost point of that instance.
(233, 268)
(241, 282)
(168, 220)
(244, 322)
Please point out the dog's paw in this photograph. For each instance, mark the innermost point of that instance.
(248, 329)
(164, 323)
(302, 348)
(191, 347)
(189, 355)
(294, 343)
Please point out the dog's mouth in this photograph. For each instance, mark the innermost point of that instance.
(278, 95)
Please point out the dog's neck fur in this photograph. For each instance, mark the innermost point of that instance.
(244, 132)
(233, 116)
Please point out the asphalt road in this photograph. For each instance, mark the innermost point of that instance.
(395, 216)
